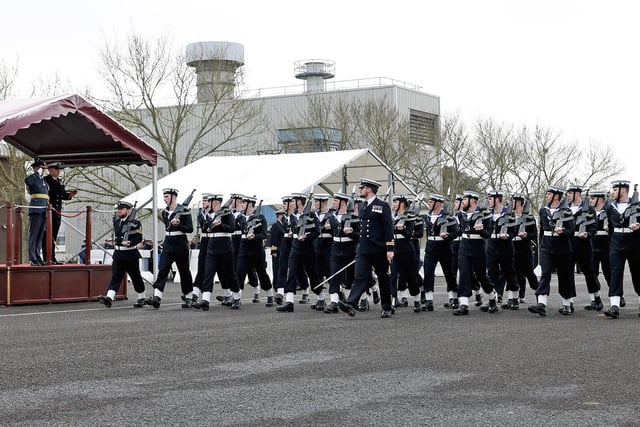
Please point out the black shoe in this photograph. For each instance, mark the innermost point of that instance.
(235, 305)
(36, 263)
(452, 303)
(539, 308)
(565, 310)
(376, 297)
(363, 305)
(478, 300)
(203, 305)
(347, 308)
(428, 306)
(188, 302)
(279, 298)
(153, 301)
(612, 312)
(269, 302)
(219, 298)
(507, 305)
(596, 305)
(404, 302)
(623, 302)
(320, 305)
(105, 300)
(499, 299)
(256, 298)
(227, 301)
(140, 303)
(386, 314)
(304, 299)
(331, 308)
(417, 307)
(515, 304)
(423, 297)
(492, 307)
(462, 310)
(287, 307)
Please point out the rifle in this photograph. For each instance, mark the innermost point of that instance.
(445, 220)
(522, 220)
(634, 206)
(127, 224)
(507, 220)
(183, 209)
(255, 221)
(350, 209)
(560, 216)
(483, 213)
(585, 218)
(302, 221)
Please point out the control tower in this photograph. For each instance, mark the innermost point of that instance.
(216, 65)
(314, 72)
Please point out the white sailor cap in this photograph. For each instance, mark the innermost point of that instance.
(576, 188)
(321, 197)
(170, 191)
(341, 196)
(555, 189)
(495, 193)
(471, 194)
(620, 183)
(437, 197)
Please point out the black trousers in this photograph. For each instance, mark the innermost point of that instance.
(346, 277)
(253, 260)
(130, 267)
(223, 265)
(562, 264)
(472, 266)
(601, 260)
(583, 257)
(302, 272)
(202, 255)
(182, 262)
(364, 263)
(439, 253)
(56, 220)
(37, 224)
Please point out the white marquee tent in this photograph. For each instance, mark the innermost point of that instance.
(269, 177)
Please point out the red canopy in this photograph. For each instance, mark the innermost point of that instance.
(70, 130)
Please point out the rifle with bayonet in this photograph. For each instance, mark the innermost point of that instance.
(255, 221)
(304, 225)
(350, 210)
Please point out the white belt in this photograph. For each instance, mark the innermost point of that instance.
(602, 233)
(457, 239)
(551, 234)
(342, 239)
(435, 238)
(472, 236)
(206, 235)
(124, 248)
(237, 232)
(326, 235)
(622, 230)
(398, 236)
(517, 239)
(495, 236)
(221, 234)
(175, 233)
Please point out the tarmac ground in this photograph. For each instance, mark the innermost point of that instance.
(85, 364)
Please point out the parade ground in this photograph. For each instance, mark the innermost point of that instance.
(84, 364)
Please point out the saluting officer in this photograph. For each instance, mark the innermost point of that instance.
(39, 193)
(623, 215)
(57, 193)
(586, 227)
(219, 254)
(128, 234)
(475, 227)
(175, 248)
(374, 250)
(442, 229)
(345, 228)
(557, 226)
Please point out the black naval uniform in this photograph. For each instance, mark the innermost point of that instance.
(500, 253)
(126, 258)
(376, 239)
(203, 224)
(343, 250)
(624, 246)
(276, 235)
(523, 253)
(583, 248)
(438, 249)
(302, 267)
(284, 252)
(556, 253)
(252, 255)
(601, 246)
(322, 245)
(39, 192)
(175, 248)
(57, 193)
(403, 266)
(219, 258)
(472, 256)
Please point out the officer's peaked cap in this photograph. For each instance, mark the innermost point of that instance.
(124, 204)
(56, 165)
(366, 182)
(38, 163)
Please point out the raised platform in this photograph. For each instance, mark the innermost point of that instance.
(26, 284)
